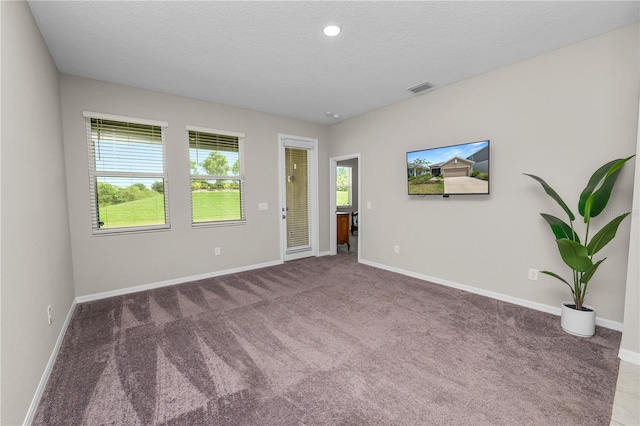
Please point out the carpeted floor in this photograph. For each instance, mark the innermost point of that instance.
(324, 341)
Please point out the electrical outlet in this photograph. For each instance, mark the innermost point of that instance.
(396, 249)
(217, 251)
(49, 315)
(369, 205)
(263, 206)
(533, 274)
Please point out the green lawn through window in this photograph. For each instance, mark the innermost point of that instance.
(216, 205)
(342, 198)
(207, 206)
(145, 212)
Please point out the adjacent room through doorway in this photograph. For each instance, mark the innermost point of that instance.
(345, 201)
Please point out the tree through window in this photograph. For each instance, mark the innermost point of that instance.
(343, 186)
(217, 176)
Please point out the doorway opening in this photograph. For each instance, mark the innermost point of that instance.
(345, 189)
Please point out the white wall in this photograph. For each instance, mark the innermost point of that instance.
(107, 263)
(559, 115)
(631, 336)
(36, 252)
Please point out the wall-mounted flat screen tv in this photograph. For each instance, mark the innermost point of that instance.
(461, 169)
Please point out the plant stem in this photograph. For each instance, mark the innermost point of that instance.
(583, 287)
(586, 235)
(580, 297)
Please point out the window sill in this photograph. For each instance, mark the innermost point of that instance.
(196, 225)
(131, 230)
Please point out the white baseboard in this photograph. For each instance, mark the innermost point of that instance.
(33, 407)
(614, 325)
(143, 287)
(629, 356)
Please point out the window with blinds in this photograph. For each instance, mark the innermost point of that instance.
(343, 186)
(217, 177)
(127, 174)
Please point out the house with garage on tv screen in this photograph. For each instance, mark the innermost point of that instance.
(457, 166)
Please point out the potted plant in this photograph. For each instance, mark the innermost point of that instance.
(576, 317)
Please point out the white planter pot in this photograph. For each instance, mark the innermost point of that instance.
(578, 323)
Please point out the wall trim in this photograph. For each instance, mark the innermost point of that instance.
(150, 286)
(33, 407)
(629, 356)
(614, 325)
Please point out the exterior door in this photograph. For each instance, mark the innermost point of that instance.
(298, 183)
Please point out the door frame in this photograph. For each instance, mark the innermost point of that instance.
(313, 164)
(333, 163)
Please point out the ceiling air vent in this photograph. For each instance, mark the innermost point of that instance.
(420, 87)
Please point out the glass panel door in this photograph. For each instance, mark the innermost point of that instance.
(297, 202)
(298, 212)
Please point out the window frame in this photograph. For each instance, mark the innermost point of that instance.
(94, 174)
(240, 177)
(350, 190)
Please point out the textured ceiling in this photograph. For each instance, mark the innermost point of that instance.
(273, 57)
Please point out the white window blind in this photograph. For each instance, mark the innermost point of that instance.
(298, 198)
(127, 175)
(217, 177)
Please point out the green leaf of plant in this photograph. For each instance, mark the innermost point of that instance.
(589, 273)
(594, 181)
(553, 194)
(605, 235)
(574, 254)
(558, 277)
(595, 196)
(555, 276)
(599, 199)
(560, 229)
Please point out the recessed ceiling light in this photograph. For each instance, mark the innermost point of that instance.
(331, 30)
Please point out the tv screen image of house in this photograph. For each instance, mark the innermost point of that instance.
(447, 170)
